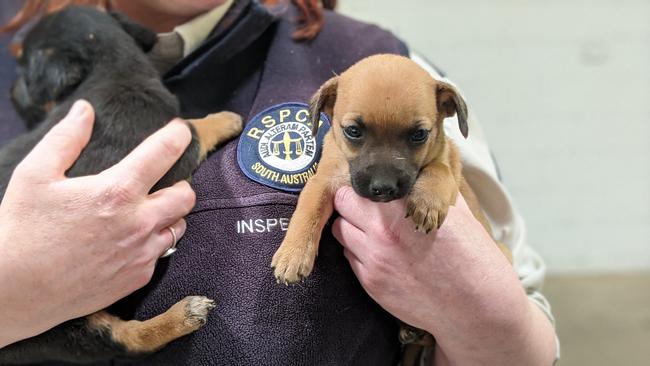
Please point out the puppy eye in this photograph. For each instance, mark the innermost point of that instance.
(419, 136)
(352, 132)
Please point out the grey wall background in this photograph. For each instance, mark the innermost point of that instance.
(562, 89)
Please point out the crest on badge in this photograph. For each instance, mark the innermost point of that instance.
(277, 148)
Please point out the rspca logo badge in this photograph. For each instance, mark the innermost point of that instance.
(277, 148)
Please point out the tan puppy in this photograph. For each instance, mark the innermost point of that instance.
(386, 141)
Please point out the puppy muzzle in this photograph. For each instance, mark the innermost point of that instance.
(382, 183)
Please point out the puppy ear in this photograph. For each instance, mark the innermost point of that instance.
(64, 79)
(52, 77)
(323, 101)
(451, 103)
(144, 37)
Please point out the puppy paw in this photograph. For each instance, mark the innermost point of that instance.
(195, 311)
(427, 212)
(215, 129)
(293, 262)
(231, 123)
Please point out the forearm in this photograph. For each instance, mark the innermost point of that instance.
(527, 338)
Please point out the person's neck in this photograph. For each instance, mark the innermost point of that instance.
(150, 17)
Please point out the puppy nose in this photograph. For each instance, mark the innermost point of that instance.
(381, 188)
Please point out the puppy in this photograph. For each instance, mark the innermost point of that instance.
(79, 53)
(386, 141)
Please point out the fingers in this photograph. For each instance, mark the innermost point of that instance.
(61, 146)
(170, 204)
(361, 272)
(351, 206)
(352, 238)
(364, 213)
(156, 245)
(149, 162)
(163, 239)
(355, 263)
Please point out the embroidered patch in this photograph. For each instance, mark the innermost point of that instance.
(277, 148)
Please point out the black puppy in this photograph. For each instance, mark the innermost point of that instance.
(80, 53)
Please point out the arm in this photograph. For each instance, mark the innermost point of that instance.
(71, 246)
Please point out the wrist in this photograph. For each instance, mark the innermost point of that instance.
(23, 308)
(524, 336)
(484, 292)
(484, 305)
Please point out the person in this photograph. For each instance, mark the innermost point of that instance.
(241, 56)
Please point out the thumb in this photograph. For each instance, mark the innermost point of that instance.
(61, 146)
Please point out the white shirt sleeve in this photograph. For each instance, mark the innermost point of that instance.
(508, 227)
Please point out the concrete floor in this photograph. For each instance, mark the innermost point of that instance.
(602, 320)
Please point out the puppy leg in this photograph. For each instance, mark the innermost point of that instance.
(434, 191)
(215, 129)
(294, 259)
(142, 337)
(474, 206)
(101, 336)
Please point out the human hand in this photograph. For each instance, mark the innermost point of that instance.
(400, 267)
(72, 246)
(453, 283)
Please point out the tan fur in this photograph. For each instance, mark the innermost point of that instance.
(140, 337)
(392, 94)
(215, 129)
(295, 258)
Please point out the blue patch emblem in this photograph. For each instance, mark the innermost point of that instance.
(277, 148)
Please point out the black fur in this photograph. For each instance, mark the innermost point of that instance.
(73, 341)
(83, 53)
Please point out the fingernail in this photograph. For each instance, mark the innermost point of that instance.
(78, 109)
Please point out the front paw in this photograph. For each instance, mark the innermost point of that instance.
(426, 211)
(293, 261)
